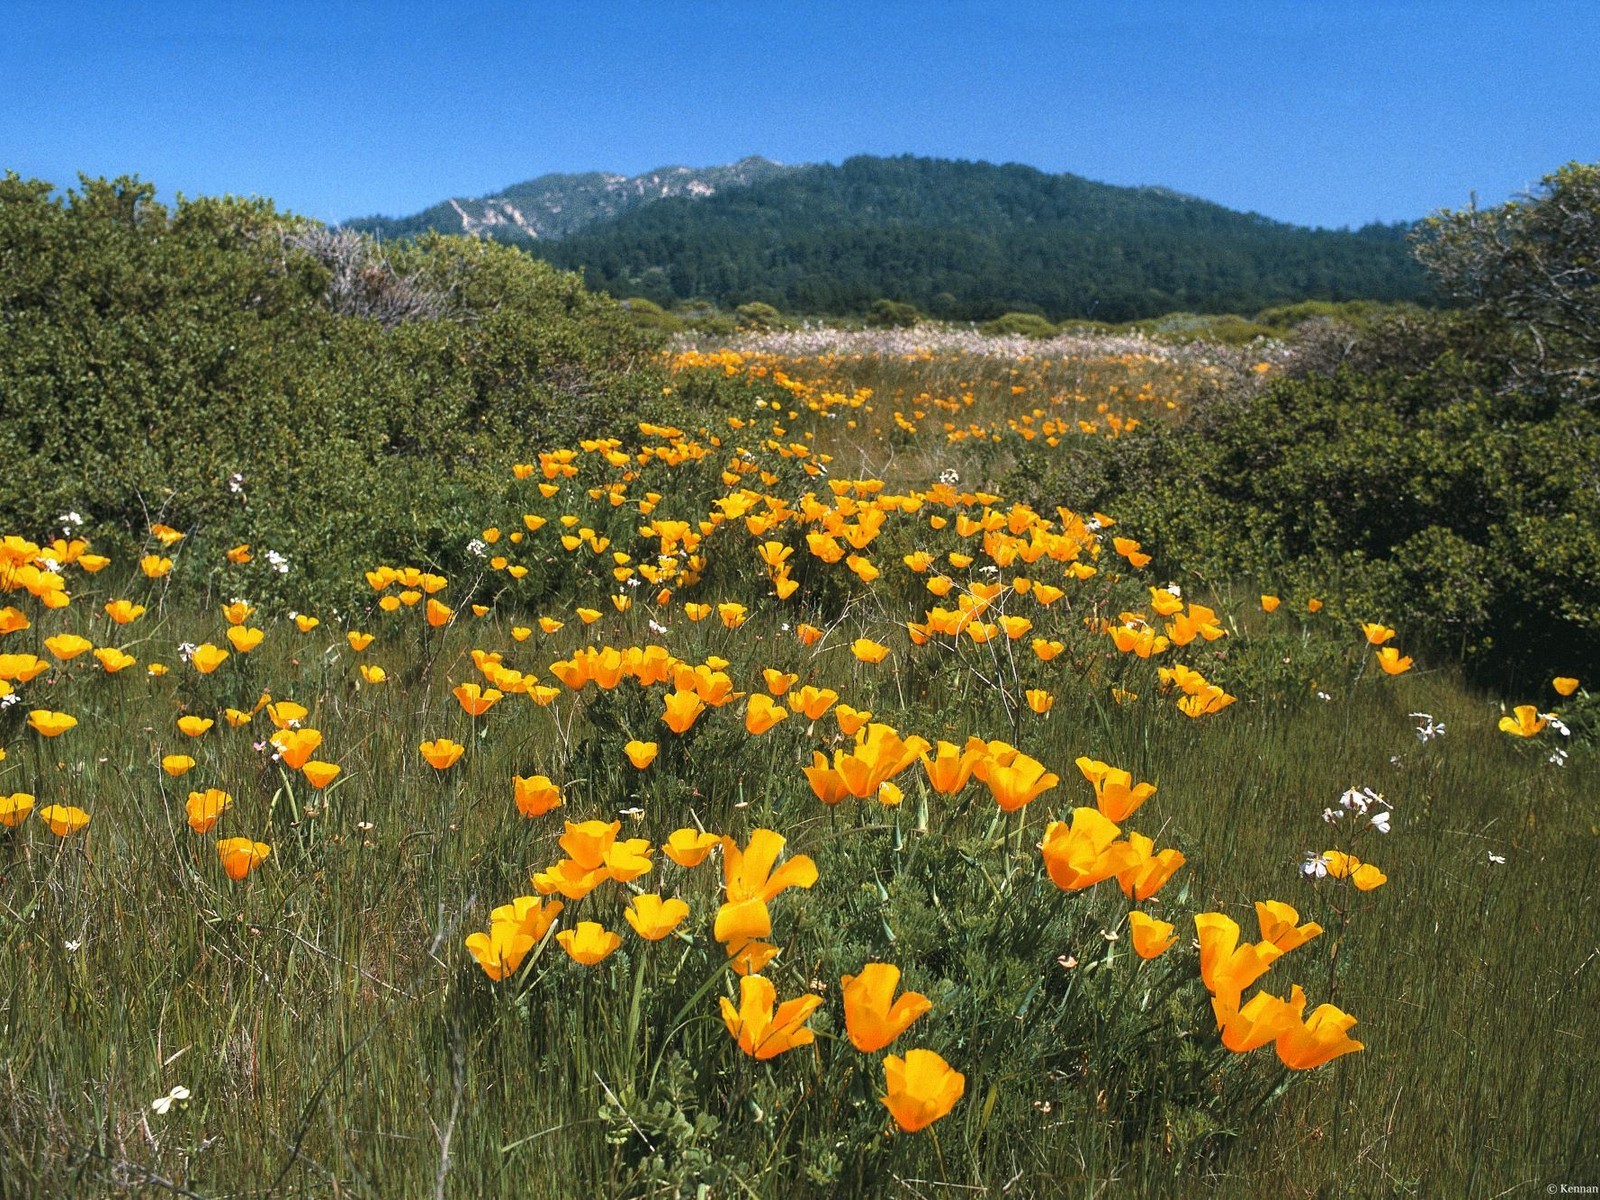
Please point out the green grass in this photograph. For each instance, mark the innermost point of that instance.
(337, 1039)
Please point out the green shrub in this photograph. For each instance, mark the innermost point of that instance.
(1024, 323)
(759, 317)
(892, 314)
(243, 375)
(1468, 515)
(647, 314)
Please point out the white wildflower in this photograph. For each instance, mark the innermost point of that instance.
(1497, 859)
(477, 548)
(276, 561)
(1314, 867)
(1356, 800)
(176, 1096)
(1429, 728)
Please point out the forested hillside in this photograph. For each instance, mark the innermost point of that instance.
(969, 241)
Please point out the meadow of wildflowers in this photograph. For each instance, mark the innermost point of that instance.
(772, 810)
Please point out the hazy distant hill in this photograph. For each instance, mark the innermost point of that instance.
(553, 206)
(960, 240)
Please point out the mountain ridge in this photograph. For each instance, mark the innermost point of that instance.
(557, 204)
(958, 239)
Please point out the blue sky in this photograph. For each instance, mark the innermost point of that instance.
(1327, 112)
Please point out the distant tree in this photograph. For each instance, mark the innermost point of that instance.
(647, 314)
(1024, 323)
(892, 314)
(759, 317)
(1533, 267)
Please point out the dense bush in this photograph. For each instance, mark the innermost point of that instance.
(1433, 498)
(1025, 323)
(244, 375)
(892, 314)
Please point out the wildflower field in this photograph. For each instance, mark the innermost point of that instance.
(773, 806)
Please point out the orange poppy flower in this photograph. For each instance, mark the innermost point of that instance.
(244, 638)
(1258, 1022)
(1280, 925)
(1017, 783)
(535, 795)
(204, 808)
(762, 1032)
(194, 726)
(176, 764)
(1392, 662)
(851, 720)
(869, 651)
(320, 774)
(921, 1088)
(1527, 722)
(112, 660)
(15, 808)
(296, 746)
(442, 753)
(207, 658)
(1086, 852)
(682, 709)
(50, 724)
(812, 701)
(1146, 875)
(870, 1019)
(64, 820)
(1227, 968)
(1311, 1041)
(589, 943)
(653, 918)
(438, 614)
(761, 714)
(123, 611)
(1151, 938)
(476, 700)
(689, 847)
(65, 646)
(240, 856)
